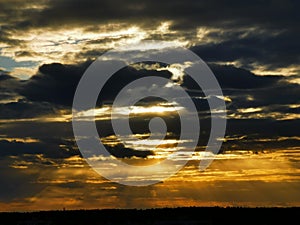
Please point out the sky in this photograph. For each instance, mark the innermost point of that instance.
(252, 48)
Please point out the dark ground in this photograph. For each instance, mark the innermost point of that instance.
(165, 216)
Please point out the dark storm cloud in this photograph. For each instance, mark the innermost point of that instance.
(8, 83)
(246, 90)
(274, 15)
(236, 78)
(24, 109)
(123, 77)
(272, 51)
(261, 134)
(54, 142)
(48, 149)
(280, 95)
(55, 132)
(55, 83)
(185, 13)
(9, 88)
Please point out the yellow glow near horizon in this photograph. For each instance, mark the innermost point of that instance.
(153, 109)
(232, 176)
(22, 140)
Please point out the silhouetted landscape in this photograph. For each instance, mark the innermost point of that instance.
(163, 216)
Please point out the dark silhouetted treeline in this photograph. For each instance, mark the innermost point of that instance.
(165, 216)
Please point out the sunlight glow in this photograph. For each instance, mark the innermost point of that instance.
(204, 35)
(152, 109)
(265, 115)
(17, 139)
(249, 110)
(294, 81)
(285, 71)
(69, 45)
(104, 113)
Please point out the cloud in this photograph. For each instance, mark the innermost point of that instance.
(260, 50)
(55, 83)
(254, 104)
(9, 88)
(237, 78)
(186, 14)
(259, 36)
(23, 109)
(120, 151)
(48, 149)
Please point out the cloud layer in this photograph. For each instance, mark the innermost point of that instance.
(252, 48)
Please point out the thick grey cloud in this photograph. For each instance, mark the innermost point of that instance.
(9, 86)
(253, 33)
(231, 77)
(55, 83)
(271, 51)
(186, 14)
(25, 109)
(48, 149)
